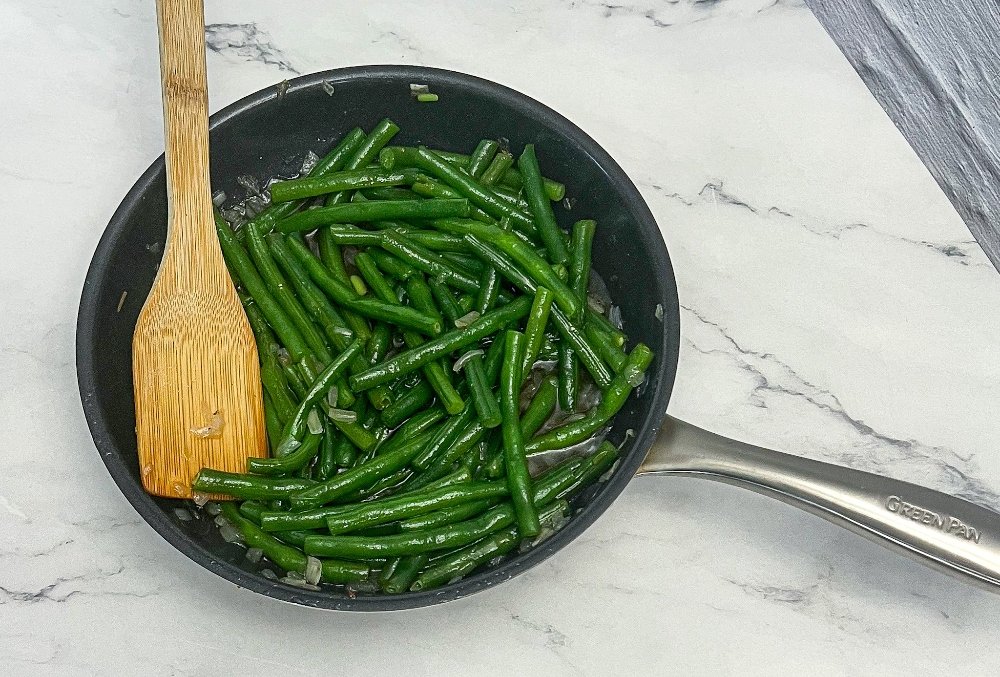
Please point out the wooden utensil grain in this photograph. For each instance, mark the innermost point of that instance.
(198, 398)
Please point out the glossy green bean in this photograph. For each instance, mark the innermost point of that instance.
(367, 151)
(405, 574)
(359, 477)
(379, 310)
(521, 255)
(518, 478)
(541, 408)
(457, 565)
(239, 485)
(579, 265)
(413, 400)
(568, 372)
(482, 393)
(288, 557)
(534, 329)
(481, 157)
(426, 261)
(333, 258)
(479, 195)
(570, 333)
(436, 348)
(440, 518)
(502, 162)
(237, 258)
(446, 436)
(392, 509)
(298, 189)
(605, 347)
(373, 210)
(435, 240)
(289, 463)
(541, 208)
(319, 388)
(613, 400)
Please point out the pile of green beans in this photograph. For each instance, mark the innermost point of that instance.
(424, 334)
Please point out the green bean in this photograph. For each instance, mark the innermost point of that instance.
(584, 351)
(359, 436)
(345, 234)
(445, 300)
(331, 162)
(411, 543)
(534, 330)
(359, 477)
(478, 194)
(333, 258)
(374, 210)
(379, 310)
(412, 401)
(442, 463)
(579, 267)
(385, 194)
(271, 375)
(469, 265)
(345, 453)
(498, 167)
(605, 347)
(541, 207)
(424, 260)
(604, 325)
(294, 379)
(290, 462)
(288, 557)
(392, 266)
(415, 425)
(541, 408)
(405, 574)
(482, 394)
(457, 565)
(446, 436)
(440, 518)
(393, 509)
(612, 401)
(592, 468)
(481, 157)
(412, 359)
(326, 466)
(367, 151)
(318, 390)
(239, 485)
(489, 289)
(404, 156)
(272, 423)
(518, 479)
(568, 377)
(513, 197)
(534, 266)
(298, 189)
(282, 292)
(237, 257)
(435, 240)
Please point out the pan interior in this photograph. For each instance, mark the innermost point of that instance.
(267, 135)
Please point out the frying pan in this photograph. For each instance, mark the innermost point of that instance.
(267, 134)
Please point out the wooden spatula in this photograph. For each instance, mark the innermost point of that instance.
(198, 396)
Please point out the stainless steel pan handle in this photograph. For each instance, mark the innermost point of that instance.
(942, 531)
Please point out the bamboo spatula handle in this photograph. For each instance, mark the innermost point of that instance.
(185, 121)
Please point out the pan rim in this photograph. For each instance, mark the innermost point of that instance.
(661, 382)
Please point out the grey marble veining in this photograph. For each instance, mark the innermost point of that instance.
(834, 306)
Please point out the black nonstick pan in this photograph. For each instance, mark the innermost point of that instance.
(268, 133)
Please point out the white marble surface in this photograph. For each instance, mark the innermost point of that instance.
(835, 306)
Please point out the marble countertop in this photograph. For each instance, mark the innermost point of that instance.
(834, 305)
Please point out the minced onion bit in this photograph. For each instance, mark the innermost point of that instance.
(183, 514)
(230, 534)
(332, 395)
(299, 583)
(328, 88)
(460, 362)
(314, 569)
(635, 380)
(313, 423)
(615, 317)
(287, 447)
(268, 574)
(467, 319)
(658, 313)
(121, 302)
(219, 198)
(596, 304)
(213, 429)
(250, 183)
(308, 162)
(254, 554)
(201, 500)
(342, 415)
(416, 89)
(213, 508)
